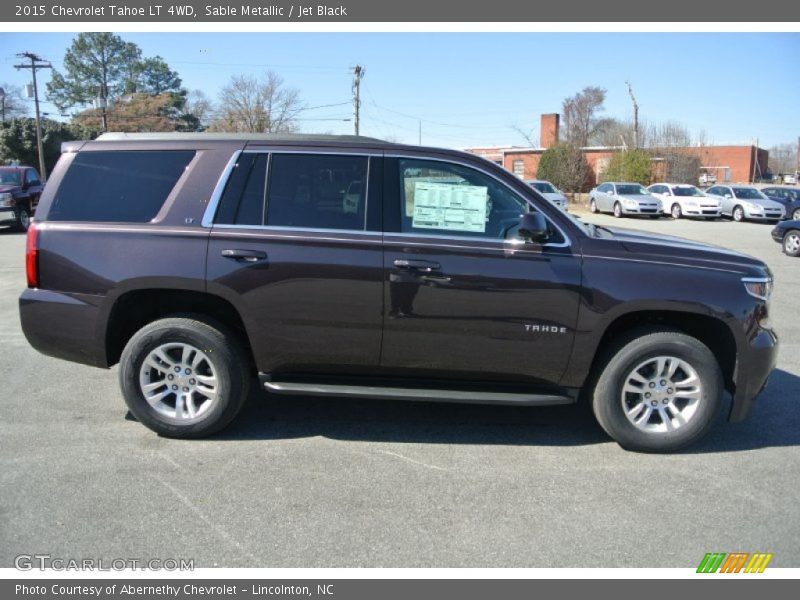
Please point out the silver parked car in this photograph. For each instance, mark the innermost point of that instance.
(745, 202)
(685, 200)
(624, 198)
(549, 191)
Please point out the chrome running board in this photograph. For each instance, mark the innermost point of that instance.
(427, 395)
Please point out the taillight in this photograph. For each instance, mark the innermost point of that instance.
(32, 256)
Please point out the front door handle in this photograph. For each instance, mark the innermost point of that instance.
(245, 255)
(425, 266)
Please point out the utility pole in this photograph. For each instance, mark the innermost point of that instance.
(420, 132)
(358, 75)
(635, 116)
(36, 64)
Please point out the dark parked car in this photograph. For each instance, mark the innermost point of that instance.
(787, 234)
(349, 266)
(20, 189)
(788, 196)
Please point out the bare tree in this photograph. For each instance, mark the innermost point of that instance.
(252, 105)
(580, 115)
(199, 105)
(669, 142)
(783, 158)
(13, 104)
(528, 136)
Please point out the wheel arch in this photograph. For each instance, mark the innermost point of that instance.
(134, 309)
(710, 330)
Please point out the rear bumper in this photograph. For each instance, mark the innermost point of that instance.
(754, 365)
(63, 325)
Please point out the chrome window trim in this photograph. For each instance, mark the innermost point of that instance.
(216, 195)
(567, 240)
(280, 228)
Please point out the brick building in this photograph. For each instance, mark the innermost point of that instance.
(735, 164)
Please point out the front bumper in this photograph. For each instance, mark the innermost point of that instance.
(8, 216)
(753, 367)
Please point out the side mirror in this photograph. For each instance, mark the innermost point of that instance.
(533, 227)
(728, 196)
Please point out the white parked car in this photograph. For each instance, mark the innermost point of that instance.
(684, 200)
(549, 191)
(745, 202)
(623, 198)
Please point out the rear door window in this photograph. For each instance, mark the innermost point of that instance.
(317, 191)
(118, 186)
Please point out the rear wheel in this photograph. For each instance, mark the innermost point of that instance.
(617, 209)
(791, 242)
(660, 391)
(676, 211)
(184, 377)
(738, 214)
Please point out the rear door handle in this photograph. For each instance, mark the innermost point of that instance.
(425, 266)
(245, 255)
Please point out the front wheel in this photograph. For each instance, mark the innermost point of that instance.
(676, 211)
(796, 214)
(592, 206)
(23, 218)
(738, 214)
(183, 377)
(791, 243)
(617, 210)
(660, 391)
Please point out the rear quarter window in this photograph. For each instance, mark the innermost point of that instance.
(118, 186)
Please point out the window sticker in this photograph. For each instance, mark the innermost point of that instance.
(451, 207)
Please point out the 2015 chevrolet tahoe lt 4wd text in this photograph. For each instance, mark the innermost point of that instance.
(349, 266)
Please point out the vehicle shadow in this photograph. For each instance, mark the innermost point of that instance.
(773, 422)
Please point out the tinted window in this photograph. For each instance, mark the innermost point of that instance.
(604, 188)
(242, 202)
(317, 191)
(32, 177)
(10, 177)
(118, 186)
(631, 190)
(450, 199)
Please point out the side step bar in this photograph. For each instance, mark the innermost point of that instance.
(428, 395)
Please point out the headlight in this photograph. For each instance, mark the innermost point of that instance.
(753, 207)
(6, 200)
(758, 287)
(692, 203)
(629, 203)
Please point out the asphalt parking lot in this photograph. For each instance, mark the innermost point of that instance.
(303, 482)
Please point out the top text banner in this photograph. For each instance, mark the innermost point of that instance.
(465, 11)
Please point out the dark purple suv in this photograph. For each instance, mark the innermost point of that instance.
(348, 266)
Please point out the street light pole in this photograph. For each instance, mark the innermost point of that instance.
(36, 64)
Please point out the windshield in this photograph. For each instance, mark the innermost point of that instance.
(748, 194)
(686, 190)
(544, 187)
(11, 177)
(631, 190)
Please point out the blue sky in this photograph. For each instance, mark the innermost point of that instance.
(473, 88)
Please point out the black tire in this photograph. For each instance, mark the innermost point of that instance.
(635, 349)
(676, 212)
(791, 243)
(23, 218)
(796, 214)
(617, 210)
(592, 206)
(737, 214)
(229, 361)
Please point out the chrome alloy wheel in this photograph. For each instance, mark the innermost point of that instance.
(661, 394)
(179, 381)
(791, 243)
